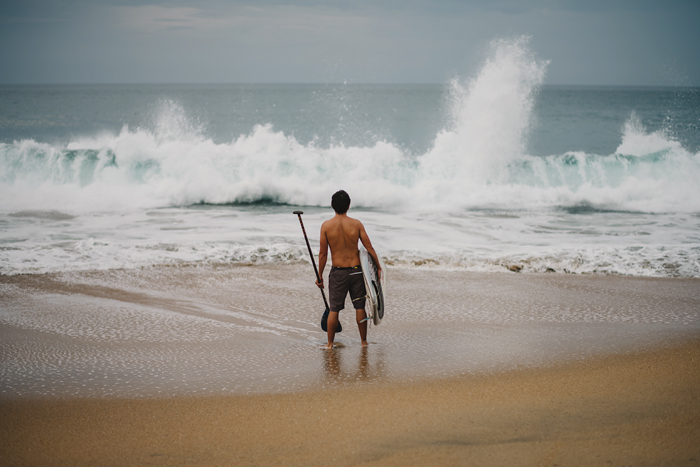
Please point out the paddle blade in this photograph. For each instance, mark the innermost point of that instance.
(324, 322)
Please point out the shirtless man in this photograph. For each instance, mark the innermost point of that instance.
(341, 233)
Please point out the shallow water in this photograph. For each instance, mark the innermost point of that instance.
(164, 331)
(630, 243)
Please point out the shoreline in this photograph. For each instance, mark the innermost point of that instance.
(638, 408)
(172, 332)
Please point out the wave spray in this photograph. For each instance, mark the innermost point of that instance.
(478, 160)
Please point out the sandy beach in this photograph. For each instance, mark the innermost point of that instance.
(222, 366)
(638, 409)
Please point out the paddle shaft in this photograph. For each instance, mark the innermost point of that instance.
(313, 261)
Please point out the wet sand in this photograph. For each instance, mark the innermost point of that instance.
(626, 409)
(218, 330)
(222, 366)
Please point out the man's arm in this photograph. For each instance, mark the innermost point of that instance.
(322, 255)
(364, 238)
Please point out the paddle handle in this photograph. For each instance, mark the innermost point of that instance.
(313, 261)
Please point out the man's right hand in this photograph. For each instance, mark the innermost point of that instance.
(320, 284)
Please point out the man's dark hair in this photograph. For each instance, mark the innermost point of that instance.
(340, 202)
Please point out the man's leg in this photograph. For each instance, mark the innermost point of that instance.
(332, 325)
(360, 315)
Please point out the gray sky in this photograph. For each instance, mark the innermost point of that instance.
(614, 42)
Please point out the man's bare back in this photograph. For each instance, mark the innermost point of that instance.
(341, 233)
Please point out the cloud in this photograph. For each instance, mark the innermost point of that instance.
(152, 18)
(268, 21)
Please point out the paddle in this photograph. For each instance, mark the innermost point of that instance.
(324, 318)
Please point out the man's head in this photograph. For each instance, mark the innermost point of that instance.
(340, 202)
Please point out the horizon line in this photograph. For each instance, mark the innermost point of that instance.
(334, 83)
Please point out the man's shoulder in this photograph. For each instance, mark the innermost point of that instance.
(355, 221)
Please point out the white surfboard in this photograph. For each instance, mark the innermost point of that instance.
(374, 305)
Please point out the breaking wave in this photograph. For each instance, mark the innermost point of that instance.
(478, 161)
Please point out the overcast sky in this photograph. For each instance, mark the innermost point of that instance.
(613, 42)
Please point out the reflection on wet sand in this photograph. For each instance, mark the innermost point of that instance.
(332, 364)
(172, 331)
(370, 364)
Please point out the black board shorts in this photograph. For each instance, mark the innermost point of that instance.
(344, 280)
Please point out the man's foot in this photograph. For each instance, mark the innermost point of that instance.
(365, 343)
(327, 346)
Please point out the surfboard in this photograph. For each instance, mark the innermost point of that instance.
(374, 305)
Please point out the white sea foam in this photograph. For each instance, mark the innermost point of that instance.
(636, 141)
(597, 242)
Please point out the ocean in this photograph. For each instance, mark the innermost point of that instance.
(483, 173)
(148, 245)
